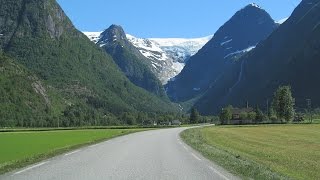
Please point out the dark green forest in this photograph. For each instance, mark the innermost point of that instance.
(57, 76)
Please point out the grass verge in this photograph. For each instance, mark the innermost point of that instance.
(82, 128)
(261, 152)
(19, 149)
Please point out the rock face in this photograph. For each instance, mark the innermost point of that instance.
(40, 89)
(26, 18)
(289, 56)
(54, 30)
(236, 37)
(134, 65)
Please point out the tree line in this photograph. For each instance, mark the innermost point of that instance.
(281, 111)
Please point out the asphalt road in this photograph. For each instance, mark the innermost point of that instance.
(158, 154)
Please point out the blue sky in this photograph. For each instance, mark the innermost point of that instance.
(165, 18)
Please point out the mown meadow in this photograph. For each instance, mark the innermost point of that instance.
(261, 152)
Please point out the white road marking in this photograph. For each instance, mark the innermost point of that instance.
(217, 172)
(196, 157)
(93, 145)
(29, 168)
(185, 148)
(72, 152)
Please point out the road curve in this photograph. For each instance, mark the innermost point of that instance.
(157, 154)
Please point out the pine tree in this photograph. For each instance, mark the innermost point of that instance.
(283, 104)
(259, 115)
(194, 116)
(226, 115)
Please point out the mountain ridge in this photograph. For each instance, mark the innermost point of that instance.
(167, 55)
(239, 35)
(282, 59)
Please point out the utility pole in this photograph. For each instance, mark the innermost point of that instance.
(267, 107)
(309, 103)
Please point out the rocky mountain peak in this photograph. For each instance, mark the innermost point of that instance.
(114, 33)
(253, 5)
(239, 35)
(28, 18)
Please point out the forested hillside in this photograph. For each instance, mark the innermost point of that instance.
(24, 99)
(83, 80)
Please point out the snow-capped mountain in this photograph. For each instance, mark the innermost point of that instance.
(132, 63)
(93, 36)
(167, 55)
(288, 56)
(239, 35)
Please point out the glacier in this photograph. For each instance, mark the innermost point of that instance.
(171, 53)
(167, 55)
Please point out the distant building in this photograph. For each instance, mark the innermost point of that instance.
(236, 116)
(148, 122)
(164, 123)
(176, 123)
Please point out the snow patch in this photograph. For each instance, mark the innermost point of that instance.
(281, 21)
(226, 42)
(167, 42)
(177, 67)
(240, 51)
(255, 5)
(93, 36)
(172, 79)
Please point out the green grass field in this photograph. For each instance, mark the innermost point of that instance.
(19, 149)
(316, 121)
(261, 152)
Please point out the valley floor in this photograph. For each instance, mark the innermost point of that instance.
(22, 147)
(156, 154)
(261, 152)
